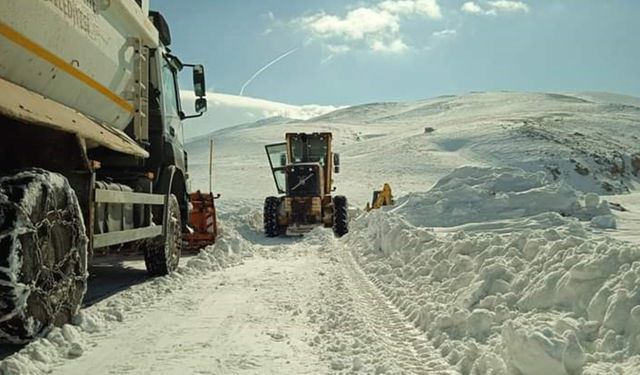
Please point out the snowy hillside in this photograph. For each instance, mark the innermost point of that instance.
(512, 249)
(591, 143)
(494, 250)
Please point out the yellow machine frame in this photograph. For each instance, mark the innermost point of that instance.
(381, 198)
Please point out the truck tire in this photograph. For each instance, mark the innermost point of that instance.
(271, 211)
(43, 254)
(340, 219)
(160, 257)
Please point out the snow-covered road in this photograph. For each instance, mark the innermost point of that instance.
(246, 319)
(289, 306)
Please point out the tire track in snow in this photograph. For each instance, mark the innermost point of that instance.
(402, 338)
(362, 331)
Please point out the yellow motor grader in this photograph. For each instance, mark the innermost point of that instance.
(303, 168)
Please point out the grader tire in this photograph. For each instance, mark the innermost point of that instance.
(340, 218)
(271, 211)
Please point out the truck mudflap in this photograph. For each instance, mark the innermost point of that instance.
(30, 108)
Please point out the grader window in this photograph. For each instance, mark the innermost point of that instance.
(277, 154)
(310, 149)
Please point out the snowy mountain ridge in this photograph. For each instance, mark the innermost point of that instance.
(592, 145)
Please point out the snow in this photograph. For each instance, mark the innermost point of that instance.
(560, 135)
(539, 301)
(91, 324)
(474, 194)
(512, 250)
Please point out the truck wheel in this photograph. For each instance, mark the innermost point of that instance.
(162, 257)
(43, 254)
(340, 219)
(271, 211)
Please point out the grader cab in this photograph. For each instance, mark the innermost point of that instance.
(303, 168)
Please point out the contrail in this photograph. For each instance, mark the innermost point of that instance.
(256, 74)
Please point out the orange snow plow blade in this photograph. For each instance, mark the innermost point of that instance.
(202, 221)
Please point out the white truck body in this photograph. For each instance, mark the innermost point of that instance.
(76, 52)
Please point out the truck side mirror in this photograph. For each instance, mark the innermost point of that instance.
(336, 163)
(201, 105)
(283, 159)
(198, 81)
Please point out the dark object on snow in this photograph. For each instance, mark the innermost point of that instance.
(581, 170)
(617, 207)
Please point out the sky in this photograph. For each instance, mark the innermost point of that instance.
(341, 52)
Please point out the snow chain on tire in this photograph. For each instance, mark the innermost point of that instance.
(162, 258)
(340, 219)
(43, 254)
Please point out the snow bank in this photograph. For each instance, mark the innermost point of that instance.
(71, 340)
(476, 194)
(548, 301)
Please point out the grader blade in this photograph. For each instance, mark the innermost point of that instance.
(381, 198)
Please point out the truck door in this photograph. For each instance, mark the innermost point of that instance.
(171, 110)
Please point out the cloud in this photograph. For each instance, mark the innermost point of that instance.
(394, 46)
(335, 49)
(447, 33)
(229, 110)
(377, 27)
(426, 8)
(493, 8)
(358, 24)
(509, 6)
(471, 7)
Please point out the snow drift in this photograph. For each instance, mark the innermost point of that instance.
(553, 300)
(475, 194)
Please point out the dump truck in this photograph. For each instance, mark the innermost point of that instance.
(302, 169)
(91, 150)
